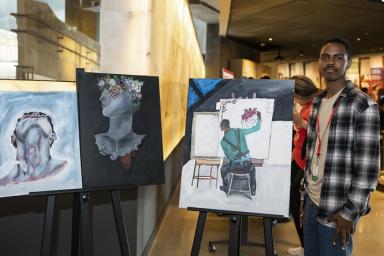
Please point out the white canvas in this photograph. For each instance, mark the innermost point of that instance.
(272, 183)
(272, 144)
(205, 141)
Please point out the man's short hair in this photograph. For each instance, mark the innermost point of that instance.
(340, 40)
(224, 123)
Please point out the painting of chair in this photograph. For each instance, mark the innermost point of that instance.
(202, 151)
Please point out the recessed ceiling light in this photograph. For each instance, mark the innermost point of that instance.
(358, 39)
(262, 44)
(270, 39)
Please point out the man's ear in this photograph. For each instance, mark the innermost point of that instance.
(349, 63)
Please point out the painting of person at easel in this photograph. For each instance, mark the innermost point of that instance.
(236, 151)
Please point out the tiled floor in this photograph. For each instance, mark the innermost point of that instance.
(176, 232)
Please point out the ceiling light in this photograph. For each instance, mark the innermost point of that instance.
(262, 44)
(270, 39)
(358, 39)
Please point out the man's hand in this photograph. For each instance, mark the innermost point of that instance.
(343, 229)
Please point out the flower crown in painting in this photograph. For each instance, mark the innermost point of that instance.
(114, 86)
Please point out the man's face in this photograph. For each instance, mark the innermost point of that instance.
(34, 137)
(333, 62)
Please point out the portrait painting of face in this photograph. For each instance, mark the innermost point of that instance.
(120, 98)
(120, 130)
(40, 139)
(247, 168)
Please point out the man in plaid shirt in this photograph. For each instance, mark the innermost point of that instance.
(343, 148)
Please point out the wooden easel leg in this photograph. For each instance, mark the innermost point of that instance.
(86, 233)
(46, 244)
(268, 236)
(75, 225)
(198, 234)
(120, 223)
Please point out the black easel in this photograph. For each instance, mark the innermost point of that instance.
(199, 233)
(120, 223)
(235, 235)
(48, 226)
(81, 223)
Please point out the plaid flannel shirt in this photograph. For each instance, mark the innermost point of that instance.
(353, 154)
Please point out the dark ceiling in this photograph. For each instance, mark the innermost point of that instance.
(299, 27)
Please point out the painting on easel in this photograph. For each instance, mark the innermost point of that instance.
(39, 136)
(238, 139)
(120, 130)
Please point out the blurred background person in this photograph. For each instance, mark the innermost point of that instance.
(305, 90)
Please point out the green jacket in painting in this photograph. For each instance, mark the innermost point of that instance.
(234, 143)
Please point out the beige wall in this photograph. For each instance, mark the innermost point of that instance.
(248, 68)
(312, 71)
(174, 57)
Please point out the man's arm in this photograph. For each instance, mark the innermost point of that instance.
(366, 163)
(254, 128)
(366, 154)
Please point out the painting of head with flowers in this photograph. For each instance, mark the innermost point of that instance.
(120, 130)
(120, 98)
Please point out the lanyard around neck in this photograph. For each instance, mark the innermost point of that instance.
(334, 109)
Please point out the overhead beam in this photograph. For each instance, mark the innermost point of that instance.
(225, 12)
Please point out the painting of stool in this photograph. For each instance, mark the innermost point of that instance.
(209, 162)
(237, 176)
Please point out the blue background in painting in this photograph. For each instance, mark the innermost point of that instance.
(204, 86)
(62, 108)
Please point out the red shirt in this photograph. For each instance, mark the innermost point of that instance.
(300, 136)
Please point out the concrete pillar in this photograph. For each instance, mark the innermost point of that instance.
(213, 52)
(125, 36)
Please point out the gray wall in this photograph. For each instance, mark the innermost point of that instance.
(21, 222)
(152, 200)
(22, 218)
